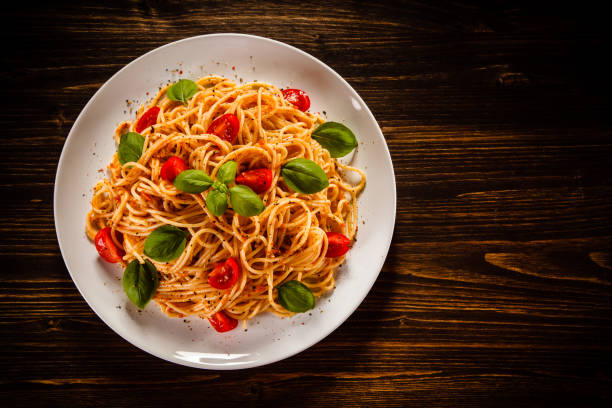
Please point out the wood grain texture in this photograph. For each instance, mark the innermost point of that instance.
(497, 288)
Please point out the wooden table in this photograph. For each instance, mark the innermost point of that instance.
(497, 287)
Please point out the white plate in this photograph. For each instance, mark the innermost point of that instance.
(90, 146)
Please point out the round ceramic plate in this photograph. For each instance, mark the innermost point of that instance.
(90, 147)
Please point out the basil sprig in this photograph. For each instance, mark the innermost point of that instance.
(295, 297)
(140, 281)
(336, 138)
(130, 147)
(304, 176)
(245, 201)
(165, 243)
(182, 90)
(193, 181)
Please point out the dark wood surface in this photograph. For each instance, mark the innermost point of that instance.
(497, 287)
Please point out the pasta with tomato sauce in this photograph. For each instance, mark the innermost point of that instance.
(225, 201)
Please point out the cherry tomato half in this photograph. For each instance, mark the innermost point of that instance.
(259, 180)
(225, 126)
(222, 322)
(106, 247)
(337, 244)
(297, 98)
(172, 168)
(149, 118)
(225, 274)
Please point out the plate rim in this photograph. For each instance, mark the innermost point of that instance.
(282, 354)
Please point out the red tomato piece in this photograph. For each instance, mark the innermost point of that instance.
(172, 168)
(225, 126)
(106, 247)
(149, 118)
(259, 180)
(297, 98)
(225, 274)
(222, 322)
(337, 244)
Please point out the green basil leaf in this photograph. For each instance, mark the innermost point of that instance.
(227, 172)
(245, 202)
(130, 147)
(304, 176)
(140, 281)
(165, 243)
(219, 186)
(336, 138)
(216, 201)
(192, 181)
(182, 90)
(295, 297)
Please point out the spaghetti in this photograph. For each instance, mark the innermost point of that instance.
(287, 241)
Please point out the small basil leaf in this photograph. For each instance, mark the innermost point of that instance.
(245, 202)
(219, 186)
(304, 176)
(140, 281)
(295, 297)
(336, 138)
(165, 243)
(227, 172)
(130, 147)
(216, 201)
(182, 90)
(192, 181)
